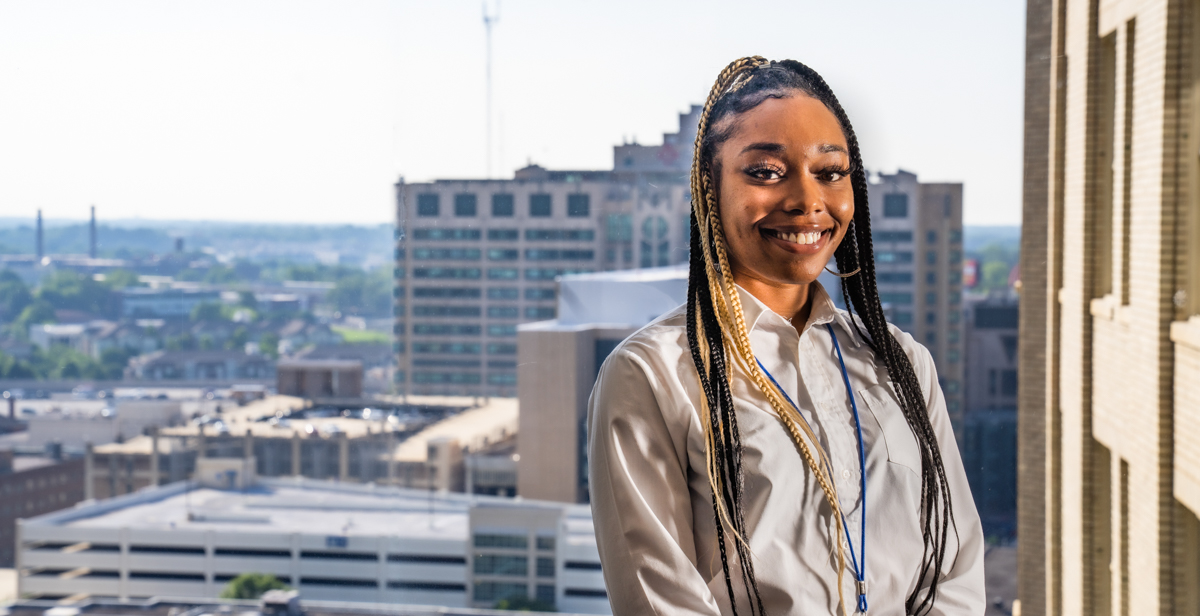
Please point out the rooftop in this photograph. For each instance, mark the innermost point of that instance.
(298, 505)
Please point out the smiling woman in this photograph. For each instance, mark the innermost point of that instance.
(736, 442)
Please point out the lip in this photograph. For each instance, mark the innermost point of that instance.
(799, 249)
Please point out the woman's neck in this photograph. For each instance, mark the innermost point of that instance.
(790, 301)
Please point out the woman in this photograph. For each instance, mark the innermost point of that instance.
(758, 451)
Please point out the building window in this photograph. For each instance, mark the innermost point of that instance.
(446, 254)
(445, 311)
(539, 205)
(579, 206)
(445, 293)
(442, 329)
(427, 204)
(468, 273)
(502, 331)
(539, 313)
(931, 318)
(437, 233)
(503, 235)
(501, 564)
(539, 254)
(947, 206)
(930, 337)
(619, 227)
(565, 235)
(464, 205)
(896, 298)
(545, 567)
(445, 348)
(931, 237)
(545, 593)
(502, 293)
(931, 257)
(501, 348)
(931, 298)
(891, 236)
(502, 312)
(902, 318)
(519, 542)
(539, 294)
(502, 379)
(503, 254)
(952, 356)
(954, 317)
(545, 543)
(952, 335)
(502, 273)
(494, 591)
(455, 378)
(888, 256)
(894, 277)
(502, 205)
(956, 236)
(895, 205)
(550, 273)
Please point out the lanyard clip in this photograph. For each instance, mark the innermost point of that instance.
(861, 586)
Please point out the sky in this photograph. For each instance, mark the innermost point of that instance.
(308, 111)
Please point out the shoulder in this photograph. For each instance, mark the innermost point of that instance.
(655, 356)
(659, 341)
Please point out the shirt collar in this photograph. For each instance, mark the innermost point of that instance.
(824, 311)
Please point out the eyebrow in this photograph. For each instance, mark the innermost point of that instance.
(774, 148)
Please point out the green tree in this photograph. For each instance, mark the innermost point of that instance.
(252, 586)
(67, 290)
(238, 340)
(220, 274)
(524, 604)
(113, 361)
(268, 345)
(14, 295)
(994, 276)
(40, 311)
(208, 311)
(121, 279)
(246, 299)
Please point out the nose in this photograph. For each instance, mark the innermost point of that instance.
(805, 196)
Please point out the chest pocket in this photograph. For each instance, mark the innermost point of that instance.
(897, 435)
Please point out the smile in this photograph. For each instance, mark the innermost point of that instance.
(802, 238)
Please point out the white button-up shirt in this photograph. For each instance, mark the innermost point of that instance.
(652, 503)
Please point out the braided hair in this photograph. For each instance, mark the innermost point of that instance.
(717, 333)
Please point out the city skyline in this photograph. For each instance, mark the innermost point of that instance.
(309, 112)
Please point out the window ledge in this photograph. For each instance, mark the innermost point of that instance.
(1104, 307)
(1187, 332)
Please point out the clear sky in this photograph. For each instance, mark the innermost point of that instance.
(308, 111)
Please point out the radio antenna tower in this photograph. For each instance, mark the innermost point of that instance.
(489, 20)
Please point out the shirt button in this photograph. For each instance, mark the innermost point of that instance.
(846, 473)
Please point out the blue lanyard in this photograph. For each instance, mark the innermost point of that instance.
(860, 570)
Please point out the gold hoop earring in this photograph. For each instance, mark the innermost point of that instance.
(840, 275)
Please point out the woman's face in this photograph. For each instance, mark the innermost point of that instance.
(784, 191)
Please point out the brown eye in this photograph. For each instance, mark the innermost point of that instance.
(764, 172)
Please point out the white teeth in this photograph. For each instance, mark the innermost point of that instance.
(800, 238)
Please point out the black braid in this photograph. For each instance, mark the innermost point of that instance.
(727, 446)
(779, 80)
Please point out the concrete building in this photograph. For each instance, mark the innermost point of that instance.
(1109, 385)
(989, 439)
(916, 229)
(200, 366)
(143, 303)
(559, 363)
(31, 486)
(330, 541)
(320, 378)
(476, 258)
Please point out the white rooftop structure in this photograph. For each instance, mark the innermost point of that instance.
(625, 298)
(331, 541)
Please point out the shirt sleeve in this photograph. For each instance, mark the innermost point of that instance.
(961, 587)
(641, 505)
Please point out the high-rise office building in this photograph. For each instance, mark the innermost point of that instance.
(475, 258)
(916, 229)
(1109, 386)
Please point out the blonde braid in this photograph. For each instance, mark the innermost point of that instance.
(731, 319)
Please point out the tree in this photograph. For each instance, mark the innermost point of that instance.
(121, 278)
(67, 290)
(268, 345)
(208, 311)
(14, 295)
(252, 586)
(35, 313)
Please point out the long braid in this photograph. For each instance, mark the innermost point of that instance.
(722, 325)
(716, 331)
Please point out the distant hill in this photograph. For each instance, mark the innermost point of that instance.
(976, 237)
